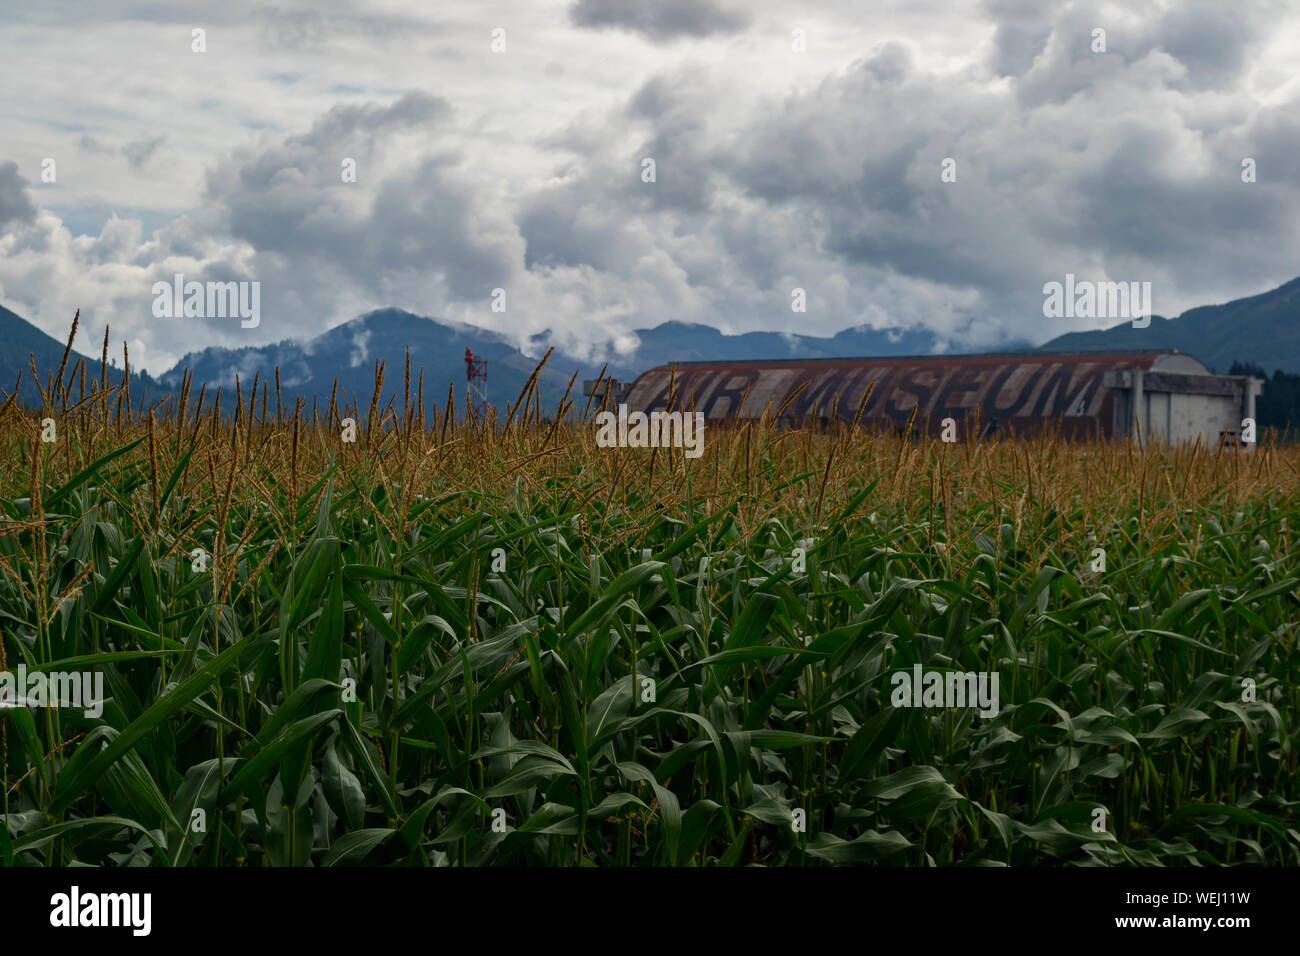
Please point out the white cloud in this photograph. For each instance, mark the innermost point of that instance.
(521, 169)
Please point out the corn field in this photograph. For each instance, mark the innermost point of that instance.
(458, 641)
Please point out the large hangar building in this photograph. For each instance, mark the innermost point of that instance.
(1163, 396)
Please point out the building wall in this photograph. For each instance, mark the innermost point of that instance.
(1084, 396)
(1180, 417)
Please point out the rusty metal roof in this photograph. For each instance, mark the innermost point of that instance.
(1021, 391)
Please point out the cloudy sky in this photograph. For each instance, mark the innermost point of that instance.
(795, 145)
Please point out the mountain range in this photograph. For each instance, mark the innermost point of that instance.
(1262, 329)
(348, 353)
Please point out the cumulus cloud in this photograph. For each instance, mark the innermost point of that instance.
(1118, 168)
(415, 221)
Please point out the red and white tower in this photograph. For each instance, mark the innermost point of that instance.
(476, 379)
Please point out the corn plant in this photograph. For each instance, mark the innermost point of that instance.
(463, 641)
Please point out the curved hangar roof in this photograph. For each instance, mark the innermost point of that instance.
(1021, 391)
